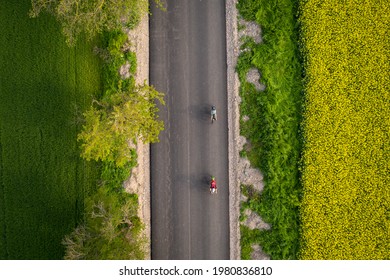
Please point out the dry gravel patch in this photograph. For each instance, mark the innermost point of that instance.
(258, 254)
(253, 76)
(250, 29)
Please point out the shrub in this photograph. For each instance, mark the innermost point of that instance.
(111, 231)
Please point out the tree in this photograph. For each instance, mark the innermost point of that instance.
(117, 119)
(111, 229)
(91, 16)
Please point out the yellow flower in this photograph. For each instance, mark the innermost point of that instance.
(345, 208)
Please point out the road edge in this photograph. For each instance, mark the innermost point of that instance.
(232, 51)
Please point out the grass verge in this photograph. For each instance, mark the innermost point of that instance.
(111, 228)
(272, 129)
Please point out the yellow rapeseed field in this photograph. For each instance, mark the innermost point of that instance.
(346, 204)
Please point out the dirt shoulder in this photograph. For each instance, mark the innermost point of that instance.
(232, 51)
(139, 181)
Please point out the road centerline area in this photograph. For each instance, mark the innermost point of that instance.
(188, 64)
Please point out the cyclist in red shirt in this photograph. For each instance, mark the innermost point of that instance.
(213, 185)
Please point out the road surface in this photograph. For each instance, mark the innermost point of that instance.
(188, 64)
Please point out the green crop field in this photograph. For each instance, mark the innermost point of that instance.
(43, 85)
(345, 209)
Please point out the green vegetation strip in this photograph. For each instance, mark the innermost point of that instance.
(111, 228)
(273, 125)
(43, 84)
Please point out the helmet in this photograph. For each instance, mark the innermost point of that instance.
(213, 107)
(212, 178)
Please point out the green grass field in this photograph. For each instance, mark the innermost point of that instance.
(43, 181)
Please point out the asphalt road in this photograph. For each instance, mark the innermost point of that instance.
(188, 64)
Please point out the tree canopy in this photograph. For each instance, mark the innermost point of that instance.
(119, 118)
(91, 16)
(111, 229)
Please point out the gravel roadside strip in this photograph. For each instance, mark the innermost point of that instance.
(232, 51)
(139, 181)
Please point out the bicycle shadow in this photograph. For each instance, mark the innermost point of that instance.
(201, 112)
